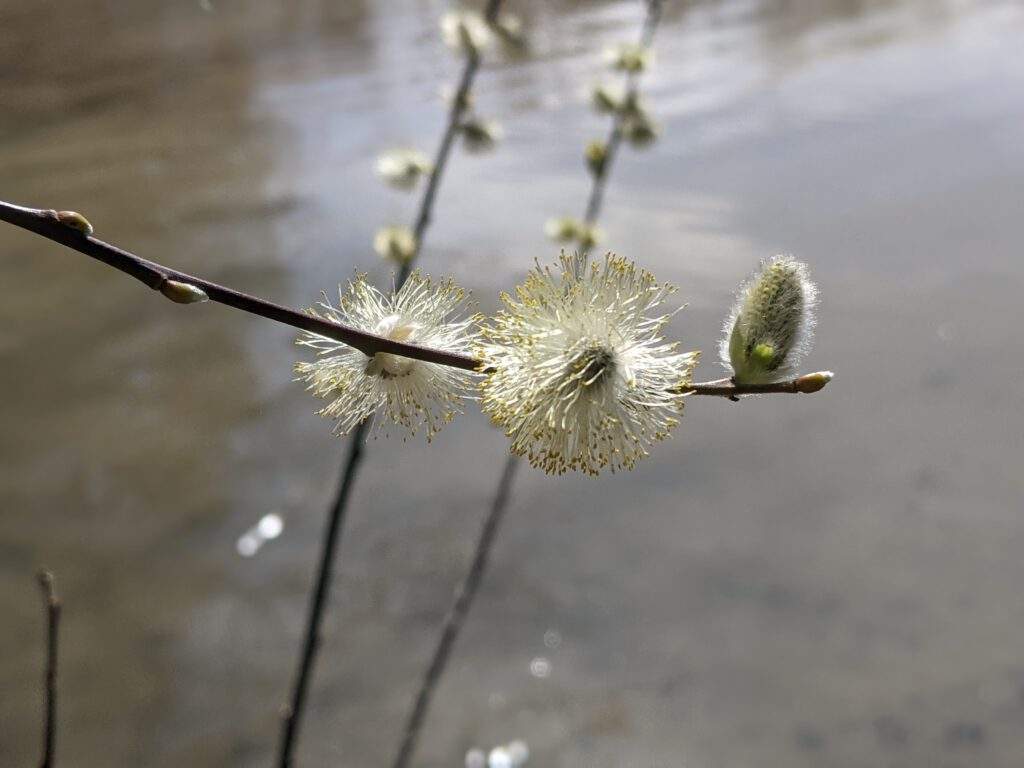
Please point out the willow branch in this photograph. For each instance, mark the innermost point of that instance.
(456, 616)
(596, 198)
(65, 227)
(459, 106)
(52, 605)
(48, 223)
(335, 522)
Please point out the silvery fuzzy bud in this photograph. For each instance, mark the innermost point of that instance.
(771, 325)
(509, 29)
(629, 57)
(607, 99)
(563, 229)
(402, 168)
(480, 135)
(395, 243)
(465, 32)
(589, 236)
(639, 129)
(596, 155)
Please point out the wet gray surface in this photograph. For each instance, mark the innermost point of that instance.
(829, 580)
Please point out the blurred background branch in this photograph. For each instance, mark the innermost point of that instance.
(52, 606)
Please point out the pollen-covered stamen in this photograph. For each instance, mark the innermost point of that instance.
(406, 392)
(594, 365)
(580, 377)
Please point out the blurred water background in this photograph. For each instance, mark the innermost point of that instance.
(791, 581)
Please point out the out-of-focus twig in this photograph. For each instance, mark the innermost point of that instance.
(456, 616)
(336, 517)
(52, 605)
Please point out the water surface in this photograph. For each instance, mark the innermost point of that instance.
(829, 580)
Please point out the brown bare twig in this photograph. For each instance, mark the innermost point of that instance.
(456, 615)
(52, 605)
(47, 223)
(62, 227)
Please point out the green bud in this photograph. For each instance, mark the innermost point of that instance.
(596, 155)
(771, 325)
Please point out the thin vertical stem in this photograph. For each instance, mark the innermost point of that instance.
(52, 605)
(456, 616)
(293, 713)
(467, 589)
(594, 202)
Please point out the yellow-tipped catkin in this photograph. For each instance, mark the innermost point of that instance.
(771, 324)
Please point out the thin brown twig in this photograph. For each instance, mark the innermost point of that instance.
(52, 604)
(456, 616)
(45, 222)
(49, 224)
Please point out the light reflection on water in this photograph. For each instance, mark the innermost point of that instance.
(793, 582)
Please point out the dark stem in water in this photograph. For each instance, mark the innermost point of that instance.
(456, 615)
(292, 713)
(52, 605)
(336, 517)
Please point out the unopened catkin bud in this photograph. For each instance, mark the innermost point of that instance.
(639, 129)
(563, 229)
(596, 156)
(589, 236)
(397, 244)
(183, 293)
(509, 30)
(771, 324)
(465, 32)
(75, 220)
(629, 57)
(813, 382)
(607, 98)
(480, 135)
